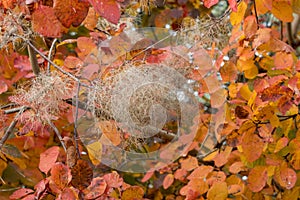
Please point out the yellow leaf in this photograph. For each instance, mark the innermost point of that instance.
(245, 92)
(248, 67)
(282, 10)
(95, 152)
(237, 17)
(263, 6)
(218, 191)
(3, 166)
(296, 6)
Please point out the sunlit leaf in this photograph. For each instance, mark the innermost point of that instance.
(95, 152)
(257, 178)
(283, 60)
(237, 17)
(263, 6)
(70, 12)
(248, 67)
(218, 191)
(215, 177)
(282, 10)
(237, 167)
(48, 158)
(285, 176)
(280, 144)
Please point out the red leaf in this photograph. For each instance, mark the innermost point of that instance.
(168, 181)
(45, 22)
(70, 12)
(113, 180)
(108, 9)
(18, 194)
(97, 188)
(210, 3)
(68, 193)
(40, 188)
(233, 5)
(147, 176)
(48, 158)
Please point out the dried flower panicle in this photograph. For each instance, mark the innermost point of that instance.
(45, 96)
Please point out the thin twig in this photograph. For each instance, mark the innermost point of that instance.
(76, 120)
(281, 30)
(57, 134)
(50, 54)
(255, 12)
(7, 105)
(11, 127)
(14, 110)
(52, 63)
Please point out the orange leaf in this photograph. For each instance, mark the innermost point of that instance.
(257, 178)
(216, 177)
(45, 22)
(248, 67)
(237, 17)
(237, 167)
(218, 191)
(189, 163)
(180, 174)
(60, 177)
(48, 158)
(133, 192)
(109, 129)
(168, 181)
(263, 6)
(295, 161)
(282, 10)
(147, 176)
(96, 188)
(250, 26)
(200, 172)
(252, 145)
(194, 186)
(281, 143)
(283, 60)
(228, 72)
(90, 22)
(70, 12)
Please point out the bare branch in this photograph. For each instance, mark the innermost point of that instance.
(57, 134)
(50, 54)
(11, 127)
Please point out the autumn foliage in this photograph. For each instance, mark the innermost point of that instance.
(61, 60)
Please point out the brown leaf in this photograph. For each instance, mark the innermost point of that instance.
(45, 22)
(133, 192)
(82, 175)
(48, 158)
(70, 12)
(241, 112)
(257, 178)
